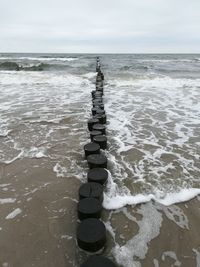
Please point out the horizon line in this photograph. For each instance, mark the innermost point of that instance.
(104, 53)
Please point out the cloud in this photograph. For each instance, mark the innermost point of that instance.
(99, 26)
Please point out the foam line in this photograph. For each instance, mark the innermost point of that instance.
(119, 201)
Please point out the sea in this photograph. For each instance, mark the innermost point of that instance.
(151, 206)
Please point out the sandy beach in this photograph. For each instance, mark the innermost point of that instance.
(151, 203)
(43, 233)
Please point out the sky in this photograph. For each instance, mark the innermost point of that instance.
(103, 26)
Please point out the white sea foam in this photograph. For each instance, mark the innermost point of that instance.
(151, 123)
(110, 229)
(176, 214)
(157, 82)
(156, 263)
(60, 170)
(68, 237)
(197, 252)
(181, 196)
(33, 103)
(35, 78)
(172, 255)
(4, 132)
(73, 169)
(116, 201)
(7, 200)
(13, 214)
(34, 152)
(9, 161)
(136, 248)
(89, 75)
(40, 58)
(4, 185)
(166, 60)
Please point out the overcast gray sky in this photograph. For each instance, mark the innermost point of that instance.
(124, 26)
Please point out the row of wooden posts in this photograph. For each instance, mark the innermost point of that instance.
(91, 231)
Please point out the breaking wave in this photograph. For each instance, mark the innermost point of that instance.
(13, 66)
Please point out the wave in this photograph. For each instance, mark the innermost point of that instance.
(41, 58)
(9, 66)
(155, 80)
(134, 67)
(166, 60)
(13, 66)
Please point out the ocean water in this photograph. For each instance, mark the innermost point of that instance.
(153, 110)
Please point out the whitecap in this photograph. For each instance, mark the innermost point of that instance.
(41, 58)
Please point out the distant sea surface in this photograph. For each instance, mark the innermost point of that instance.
(151, 201)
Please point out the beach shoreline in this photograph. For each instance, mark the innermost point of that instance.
(44, 233)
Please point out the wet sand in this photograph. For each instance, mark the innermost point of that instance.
(43, 234)
(176, 239)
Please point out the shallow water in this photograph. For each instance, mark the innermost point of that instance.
(153, 110)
